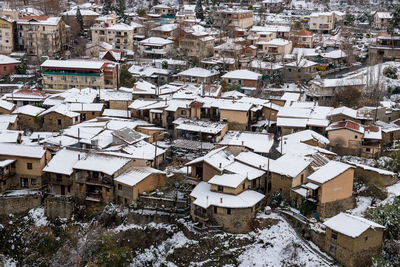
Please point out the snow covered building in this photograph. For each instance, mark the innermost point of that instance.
(353, 240)
(67, 74)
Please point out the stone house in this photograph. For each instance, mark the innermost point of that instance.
(87, 111)
(6, 107)
(28, 164)
(213, 163)
(288, 172)
(9, 122)
(29, 117)
(225, 201)
(195, 42)
(353, 240)
(95, 174)
(331, 188)
(6, 174)
(129, 185)
(348, 137)
(60, 173)
(382, 20)
(59, 117)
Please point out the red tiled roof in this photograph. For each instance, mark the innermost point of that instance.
(346, 124)
(304, 32)
(30, 92)
(372, 128)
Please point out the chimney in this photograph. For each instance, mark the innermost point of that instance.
(221, 199)
(79, 156)
(220, 165)
(242, 143)
(259, 167)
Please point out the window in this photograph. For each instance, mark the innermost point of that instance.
(183, 112)
(33, 181)
(59, 122)
(215, 209)
(366, 238)
(29, 166)
(119, 187)
(220, 188)
(334, 235)
(13, 165)
(228, 211)
(59, 177)
(282, 177)
(95, 175)
(356, 136)
(92, 112)
(243, 185)
(368, 149)
(302, 178)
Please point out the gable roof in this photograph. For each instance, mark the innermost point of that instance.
(329, 171)
(350, 225)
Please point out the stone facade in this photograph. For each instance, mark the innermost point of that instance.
(19, 204)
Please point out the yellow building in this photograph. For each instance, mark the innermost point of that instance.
(6, 35)
(119, 35)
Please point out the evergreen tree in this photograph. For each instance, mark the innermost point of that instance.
(106, 7)
(79, 19)
(120, 10)
(199, 10)
(394, 23)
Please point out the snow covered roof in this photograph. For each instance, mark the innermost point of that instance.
(218, 158)
(101, 163)
(350, 225)
(119, 113)
(242, 75)
(61, 109)
(136, 175)
(8, 60)
(198, 72)
(329, 171)
(143, 150)
(384, 15)
(9, 136)
(209, 127)
(156, 41)
(206, 198)
(352, 113)
(29, 110)
(18, 150)
(304, 136)
(73, 64)
(39, 20)
(277, 42)
(259, 143)
(77, 107)
(373, 169)
(64, 161)
(6, 105)
(351, 125)
(84, 12)
(229, 180)
(249, 172)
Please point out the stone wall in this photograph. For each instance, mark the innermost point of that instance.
(58, 207)
(166, 204)
(331, 209)
(19, 204)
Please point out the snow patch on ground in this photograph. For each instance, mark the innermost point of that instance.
(156, 256)
(363, 203)
(152, 225)
(38, 217)
(283, 247)
(394, 189)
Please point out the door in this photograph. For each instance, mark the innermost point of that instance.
(62, 190)
(24, 182)
(199, 172)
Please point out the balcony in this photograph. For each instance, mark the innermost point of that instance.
(201, 215)
(71, 73)
(94, 196)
